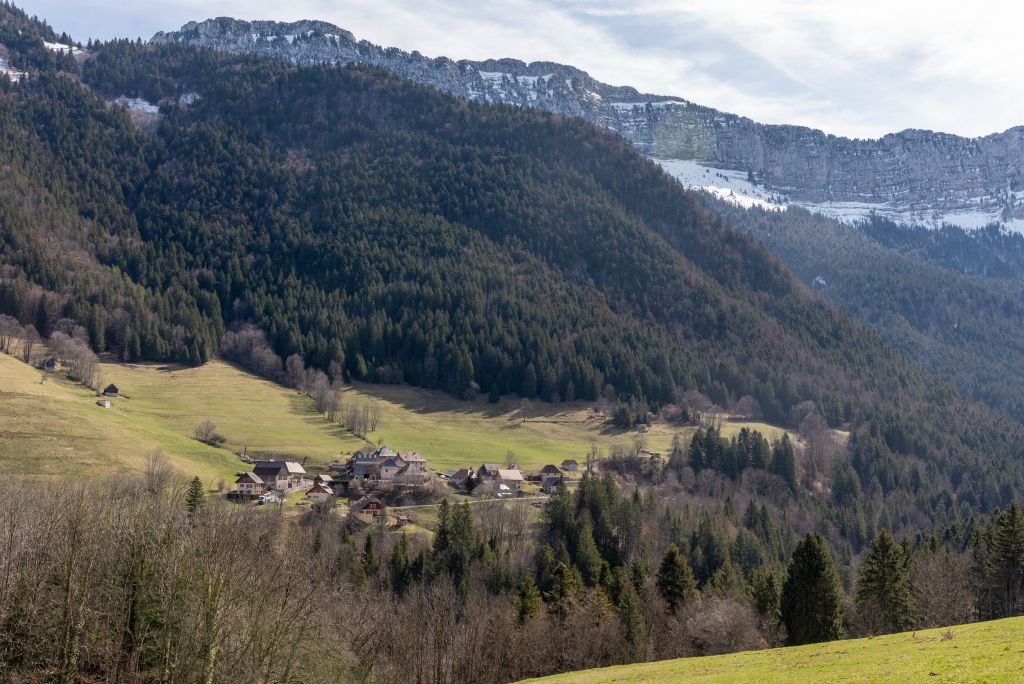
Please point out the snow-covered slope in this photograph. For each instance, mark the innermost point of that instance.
(911, 176)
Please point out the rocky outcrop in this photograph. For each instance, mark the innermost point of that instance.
(913, 172)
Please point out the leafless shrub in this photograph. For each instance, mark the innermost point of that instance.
(723, 625)
(206, 432)
(157, 473)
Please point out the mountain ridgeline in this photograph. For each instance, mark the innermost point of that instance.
(913, 173)
(404, 235)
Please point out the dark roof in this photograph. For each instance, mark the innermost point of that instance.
(490, 466)
(570, 461)
(317, 488)
(550, 469)
(110, 388)
(290, 467)
(390, 463)
(362, 503)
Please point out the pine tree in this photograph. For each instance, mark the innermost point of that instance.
(398, 566)
(566, 586)
(631, 615)
(368, 559)
(883, 587)
(527, 600)
(587, 557)
(812, 598)
(675, 579)
(195, 497)
(765, 590)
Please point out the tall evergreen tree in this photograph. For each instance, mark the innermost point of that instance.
(812, 598)
(675, 579)
(527, 600)
(398, 567)
(883, 598)
(195, 497)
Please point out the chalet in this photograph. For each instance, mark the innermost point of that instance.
(279, 475)
(460, 476)
(103, 403)
(250, 484)
(570, 465)
(550, 469)
(513, 479)
(319, 493)
(488, 471)
(368, 509)
(110, 390)
(412, 462)
(324, 479)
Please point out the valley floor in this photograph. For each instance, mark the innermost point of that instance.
(979, 652)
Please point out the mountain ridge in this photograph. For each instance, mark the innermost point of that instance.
(913, 176)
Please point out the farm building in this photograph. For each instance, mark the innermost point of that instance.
(570, 465)
(103, 403)
(279, 474)
(110, 390)
(319, 493)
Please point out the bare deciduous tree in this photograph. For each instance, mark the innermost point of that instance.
(206, 432)
(157, 473)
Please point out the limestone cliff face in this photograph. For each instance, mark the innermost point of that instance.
(917, 172)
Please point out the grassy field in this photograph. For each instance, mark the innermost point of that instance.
(55, 427)
(981, 652)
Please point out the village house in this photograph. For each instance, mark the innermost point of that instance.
(550, 476)
(570, 465)
(389, 469)
(324, 479)
(319, 493)
(488, 471)
(412, 462)
(460, 476)
(513, 479)
(363, 466)
(280, 475)
(250, 485)
(368, 510)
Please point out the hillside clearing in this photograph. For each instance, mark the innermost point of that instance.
(55, 427)
(980, 652)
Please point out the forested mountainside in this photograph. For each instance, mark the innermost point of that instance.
(409, 236)
(951, 301)
(990, 252)
(913, 174)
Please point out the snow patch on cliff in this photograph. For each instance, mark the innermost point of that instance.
(731, 186)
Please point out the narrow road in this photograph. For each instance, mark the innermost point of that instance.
(474, 501)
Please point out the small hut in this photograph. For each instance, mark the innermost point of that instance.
(110, 390)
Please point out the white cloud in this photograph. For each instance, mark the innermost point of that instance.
(854, 68)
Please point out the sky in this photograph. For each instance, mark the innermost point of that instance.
(855, 68)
